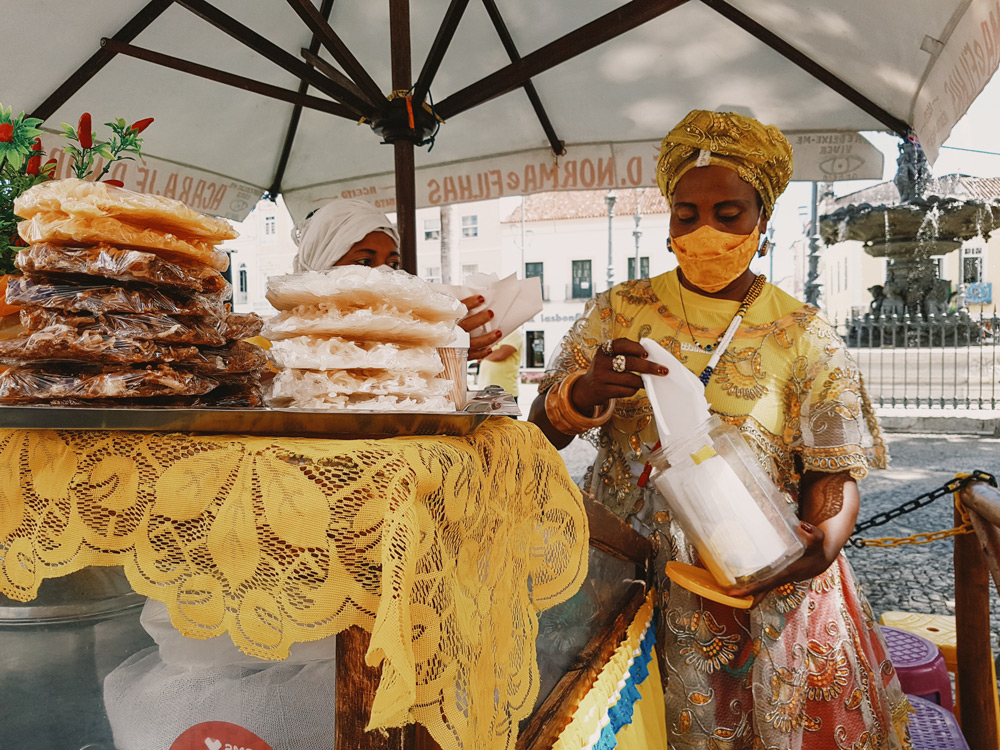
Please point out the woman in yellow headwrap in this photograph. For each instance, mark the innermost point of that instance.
(806, 666)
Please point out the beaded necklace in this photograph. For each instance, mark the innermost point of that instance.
(718, 348)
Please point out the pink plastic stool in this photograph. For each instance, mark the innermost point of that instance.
(933, 727)
(920, 665)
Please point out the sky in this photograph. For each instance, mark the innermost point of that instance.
(973, 148)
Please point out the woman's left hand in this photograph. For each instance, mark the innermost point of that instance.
(479, 346)
(829, 504)
(813, 562)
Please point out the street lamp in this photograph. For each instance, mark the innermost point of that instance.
(637, 234)
(610, 199)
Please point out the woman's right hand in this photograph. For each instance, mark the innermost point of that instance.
(602, 383)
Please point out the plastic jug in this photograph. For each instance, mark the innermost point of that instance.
(732, 512)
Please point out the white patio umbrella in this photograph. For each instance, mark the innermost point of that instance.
(255, 96)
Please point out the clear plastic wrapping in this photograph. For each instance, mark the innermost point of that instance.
(237, 357)
(362, 402)
(85, 199)
(61, 229)
(729, 508)
(61, 343)
(99, 297)
(237, 326)
(161, 328)
(31, 383)
(382, 322)
(357, 287)
(222, 397)
(317, 353)
(121, 264)
(295, 386)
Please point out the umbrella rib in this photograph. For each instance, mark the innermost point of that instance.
(293, 120)
(452, 17)
(333, 74)
(557, 144)
(274, 53)
(230, 79)
(583, 39)
(321, 28)
(99, 59)
(816, 70)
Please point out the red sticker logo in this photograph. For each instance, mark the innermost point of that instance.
(219, 735)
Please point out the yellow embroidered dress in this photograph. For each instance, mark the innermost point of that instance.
(808, 667)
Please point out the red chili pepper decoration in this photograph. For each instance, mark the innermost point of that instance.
(50, 167)
(141, 125)
(35, 161)
(6, 132)
(114, 183)
(83, 131)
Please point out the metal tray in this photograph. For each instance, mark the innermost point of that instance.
(265, 421)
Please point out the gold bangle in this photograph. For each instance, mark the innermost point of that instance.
(564, 416)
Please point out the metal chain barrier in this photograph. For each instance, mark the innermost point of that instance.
(951, 488)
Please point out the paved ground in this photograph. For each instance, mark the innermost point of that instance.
(912, 578)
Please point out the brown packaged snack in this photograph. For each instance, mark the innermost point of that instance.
(161, 328)
(32, 383)
(100, 297)
(238, 326)
(223, 397)
(121, 264)
(237, 357)
(60, 343)
(61, 229)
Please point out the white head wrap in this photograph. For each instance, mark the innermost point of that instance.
(332, 230)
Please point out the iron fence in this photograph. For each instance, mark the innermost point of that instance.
(951, 361)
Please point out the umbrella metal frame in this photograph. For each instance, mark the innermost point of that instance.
(401, 118)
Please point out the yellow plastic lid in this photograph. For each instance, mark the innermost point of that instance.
(699, 581)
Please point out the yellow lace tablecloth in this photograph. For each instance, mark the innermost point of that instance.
(443, 548)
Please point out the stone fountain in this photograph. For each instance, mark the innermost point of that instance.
(909, 234)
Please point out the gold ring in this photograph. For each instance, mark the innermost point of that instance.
(608, 347)
(618, 363)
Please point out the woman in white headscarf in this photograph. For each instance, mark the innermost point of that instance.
(354, 232)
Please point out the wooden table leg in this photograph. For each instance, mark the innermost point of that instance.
(356, 685)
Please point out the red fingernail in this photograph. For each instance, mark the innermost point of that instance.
(645, 355)
(498, 334)
(491, 314)
(481, 299)
(662, 371)
(807, 527)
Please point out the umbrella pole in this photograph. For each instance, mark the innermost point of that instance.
(402, 80)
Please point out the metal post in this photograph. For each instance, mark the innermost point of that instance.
(524, 271)
(812, 284)
(637, 234)
(610, 199)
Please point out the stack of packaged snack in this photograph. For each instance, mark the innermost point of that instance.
(356, 337)
(124, 303)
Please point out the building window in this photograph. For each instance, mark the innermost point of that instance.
(433, 274)
(269, 225)
(468, 270)
(972, 265)
(432, 229)
(241, 290)
(643, 268)
(536, 348)
(535, 270)
(470, 226)
(582, 288)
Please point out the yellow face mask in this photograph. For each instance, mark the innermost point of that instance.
(712, 260)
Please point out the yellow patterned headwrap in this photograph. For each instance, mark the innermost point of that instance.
(758, 153)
